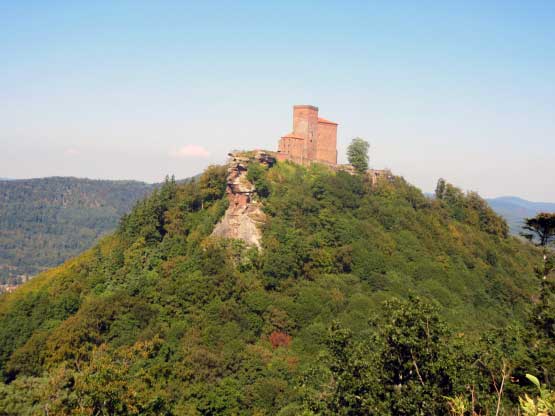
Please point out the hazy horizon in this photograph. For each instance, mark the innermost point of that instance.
(138, 90)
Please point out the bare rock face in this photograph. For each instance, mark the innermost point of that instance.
(244, 215)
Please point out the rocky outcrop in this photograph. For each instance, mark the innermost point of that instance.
(244, 216)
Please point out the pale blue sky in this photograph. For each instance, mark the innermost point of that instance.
(135, 90)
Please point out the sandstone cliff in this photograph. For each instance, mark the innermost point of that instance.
(244, 215)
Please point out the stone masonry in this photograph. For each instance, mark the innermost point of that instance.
(313, 139)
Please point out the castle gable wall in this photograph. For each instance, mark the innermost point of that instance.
(326, 151)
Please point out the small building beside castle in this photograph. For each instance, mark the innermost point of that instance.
(313, 139)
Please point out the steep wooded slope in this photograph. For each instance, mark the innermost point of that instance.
(159, 318)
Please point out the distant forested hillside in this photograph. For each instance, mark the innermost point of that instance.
(45, 221)
(515, 209)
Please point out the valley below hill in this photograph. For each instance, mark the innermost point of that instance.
(43, 222)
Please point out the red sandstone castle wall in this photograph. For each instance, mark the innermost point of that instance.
(291, 148)
(305, 125)
(326, 150)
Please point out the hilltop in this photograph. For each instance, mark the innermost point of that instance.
(40, 229)
(161, 317)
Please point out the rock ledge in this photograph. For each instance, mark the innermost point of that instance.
(244, 215)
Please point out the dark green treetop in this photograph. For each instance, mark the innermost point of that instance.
(541, 226)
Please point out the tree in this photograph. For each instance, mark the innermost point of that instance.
(541, 230)
(542, 226)
(404, 367)
(212, 183)
(355, 387)
(414, 356)
(440, 188)
(357, 153)
(487, 218)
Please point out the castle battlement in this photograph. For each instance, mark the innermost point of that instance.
(313, 139)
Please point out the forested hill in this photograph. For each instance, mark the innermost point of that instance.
(364, 300)
(43, 222)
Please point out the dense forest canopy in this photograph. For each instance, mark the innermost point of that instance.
(43, 222)
(363, 300)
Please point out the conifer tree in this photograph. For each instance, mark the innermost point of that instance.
(440, 188)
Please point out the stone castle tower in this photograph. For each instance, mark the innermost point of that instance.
(313, 139)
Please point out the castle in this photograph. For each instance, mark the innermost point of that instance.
(313, 139)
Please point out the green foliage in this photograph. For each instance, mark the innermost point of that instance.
(43, 222)
(516, 210)
(405, 366)
(212, 183)
(415, 357)
(256, 174)
(354, 380)
(440, 188)
(470, 209)
(540, 228)
(542, 405)
(363, 300)
(357, 154)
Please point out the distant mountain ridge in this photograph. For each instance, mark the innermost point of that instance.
(515, 210)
